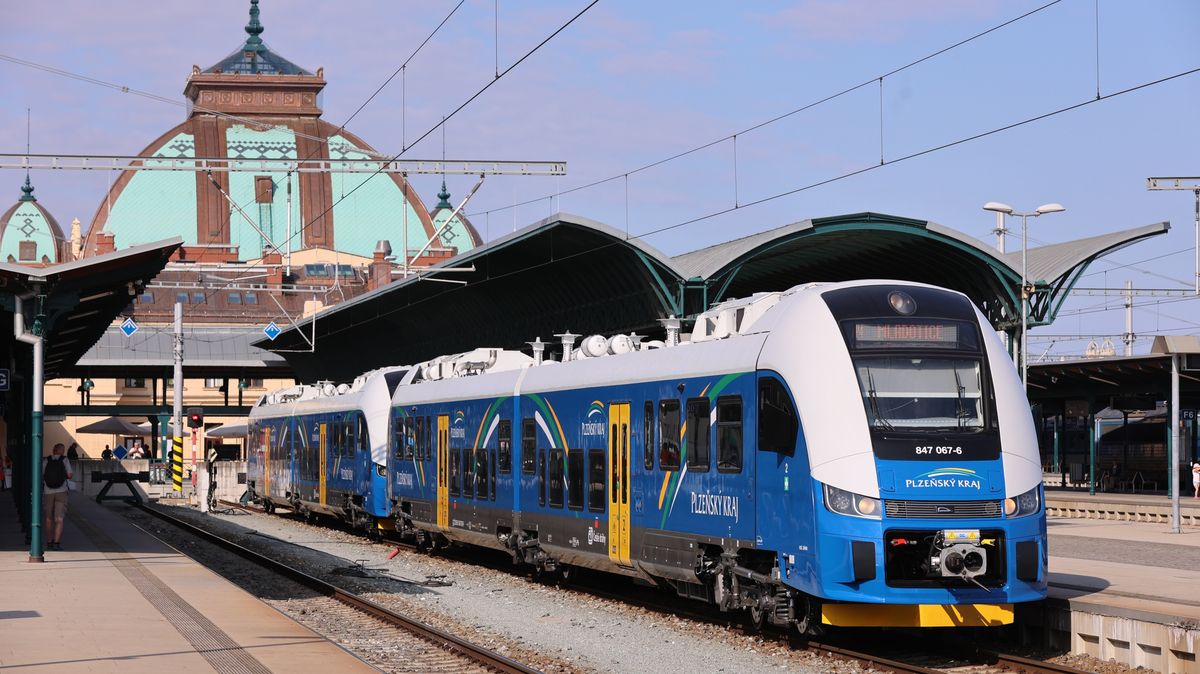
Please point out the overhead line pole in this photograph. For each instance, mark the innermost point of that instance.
(177, 411)
(1191, 184)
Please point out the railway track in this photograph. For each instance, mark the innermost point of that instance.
(950, 659)
(408, 639)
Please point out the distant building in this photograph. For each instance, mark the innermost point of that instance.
(29, 234)
(255, 104)
(252, 104)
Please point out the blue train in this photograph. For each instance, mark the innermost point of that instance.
(849, 454)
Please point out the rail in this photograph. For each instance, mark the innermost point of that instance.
(444, 640)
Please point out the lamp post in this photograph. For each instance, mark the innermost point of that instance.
(1005, 209)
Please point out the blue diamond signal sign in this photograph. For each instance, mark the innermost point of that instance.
(129, 327)
(272, 331)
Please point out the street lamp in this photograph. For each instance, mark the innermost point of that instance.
(997, 207)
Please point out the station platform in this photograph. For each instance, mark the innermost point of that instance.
(1123, 590)
(118, 600)
(1153, 507)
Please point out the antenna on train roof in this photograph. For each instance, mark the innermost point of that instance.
(568, 344)
(539, 349)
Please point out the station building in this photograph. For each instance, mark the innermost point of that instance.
(249, 249)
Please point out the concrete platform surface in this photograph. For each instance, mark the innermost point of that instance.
(118, 600)
(1139, 566)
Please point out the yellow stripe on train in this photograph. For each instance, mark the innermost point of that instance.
(917, 615)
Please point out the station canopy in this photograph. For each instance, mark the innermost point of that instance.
(567, 273)
(78, 300)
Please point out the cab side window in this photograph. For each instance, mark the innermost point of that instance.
(778, 423)
(363, 436)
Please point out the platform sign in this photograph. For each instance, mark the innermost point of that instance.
(272, 331)
(1188, 415)
(3, 379)
(129, 327)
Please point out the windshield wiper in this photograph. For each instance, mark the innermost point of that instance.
(873, 399)
(960, 410)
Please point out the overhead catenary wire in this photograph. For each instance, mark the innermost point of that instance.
(1029, 120)
(789, 113)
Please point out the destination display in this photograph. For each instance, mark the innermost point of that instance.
(926, 334)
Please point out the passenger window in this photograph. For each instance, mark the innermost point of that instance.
(334, 443)
(575, 479)
(428, 445)
(556, 478)
(729, 434)
(668, 434)
(400, 434)
(777, 421)
(481, 473)
(698, 434)
(455, 461)
(596, 480)
(528, 446)
(504, 446)
(648, 436)
(492, 491)
(541, 465)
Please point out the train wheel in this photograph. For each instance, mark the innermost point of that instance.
(566, 574)
(756, 620)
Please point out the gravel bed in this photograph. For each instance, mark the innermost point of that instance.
(388, 648)
(511, 614)
(553, 628)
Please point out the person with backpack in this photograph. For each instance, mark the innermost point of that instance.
(55, 475)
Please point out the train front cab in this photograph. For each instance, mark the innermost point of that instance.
(943, 541)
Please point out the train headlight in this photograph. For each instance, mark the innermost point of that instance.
(847, 503)
(1025, 504)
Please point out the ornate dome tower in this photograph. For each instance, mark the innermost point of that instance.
(255, 104)
(29, 234)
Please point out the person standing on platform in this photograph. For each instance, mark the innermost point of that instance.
(73, 452)
(106, 454)
(56, 474)
(1196, 479)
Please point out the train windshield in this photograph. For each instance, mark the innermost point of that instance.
(902, 392)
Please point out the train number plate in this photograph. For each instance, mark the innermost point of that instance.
(961, 535)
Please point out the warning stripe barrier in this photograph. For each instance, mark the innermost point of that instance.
(177, 463)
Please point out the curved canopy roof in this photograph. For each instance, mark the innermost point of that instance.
(571, 273)
(876, 245)
(564, 273)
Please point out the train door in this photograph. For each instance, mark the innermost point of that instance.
(266, 452)
(322, 463)
(618, 493)
(443, 471)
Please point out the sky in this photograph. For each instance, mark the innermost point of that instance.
(630, 83)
